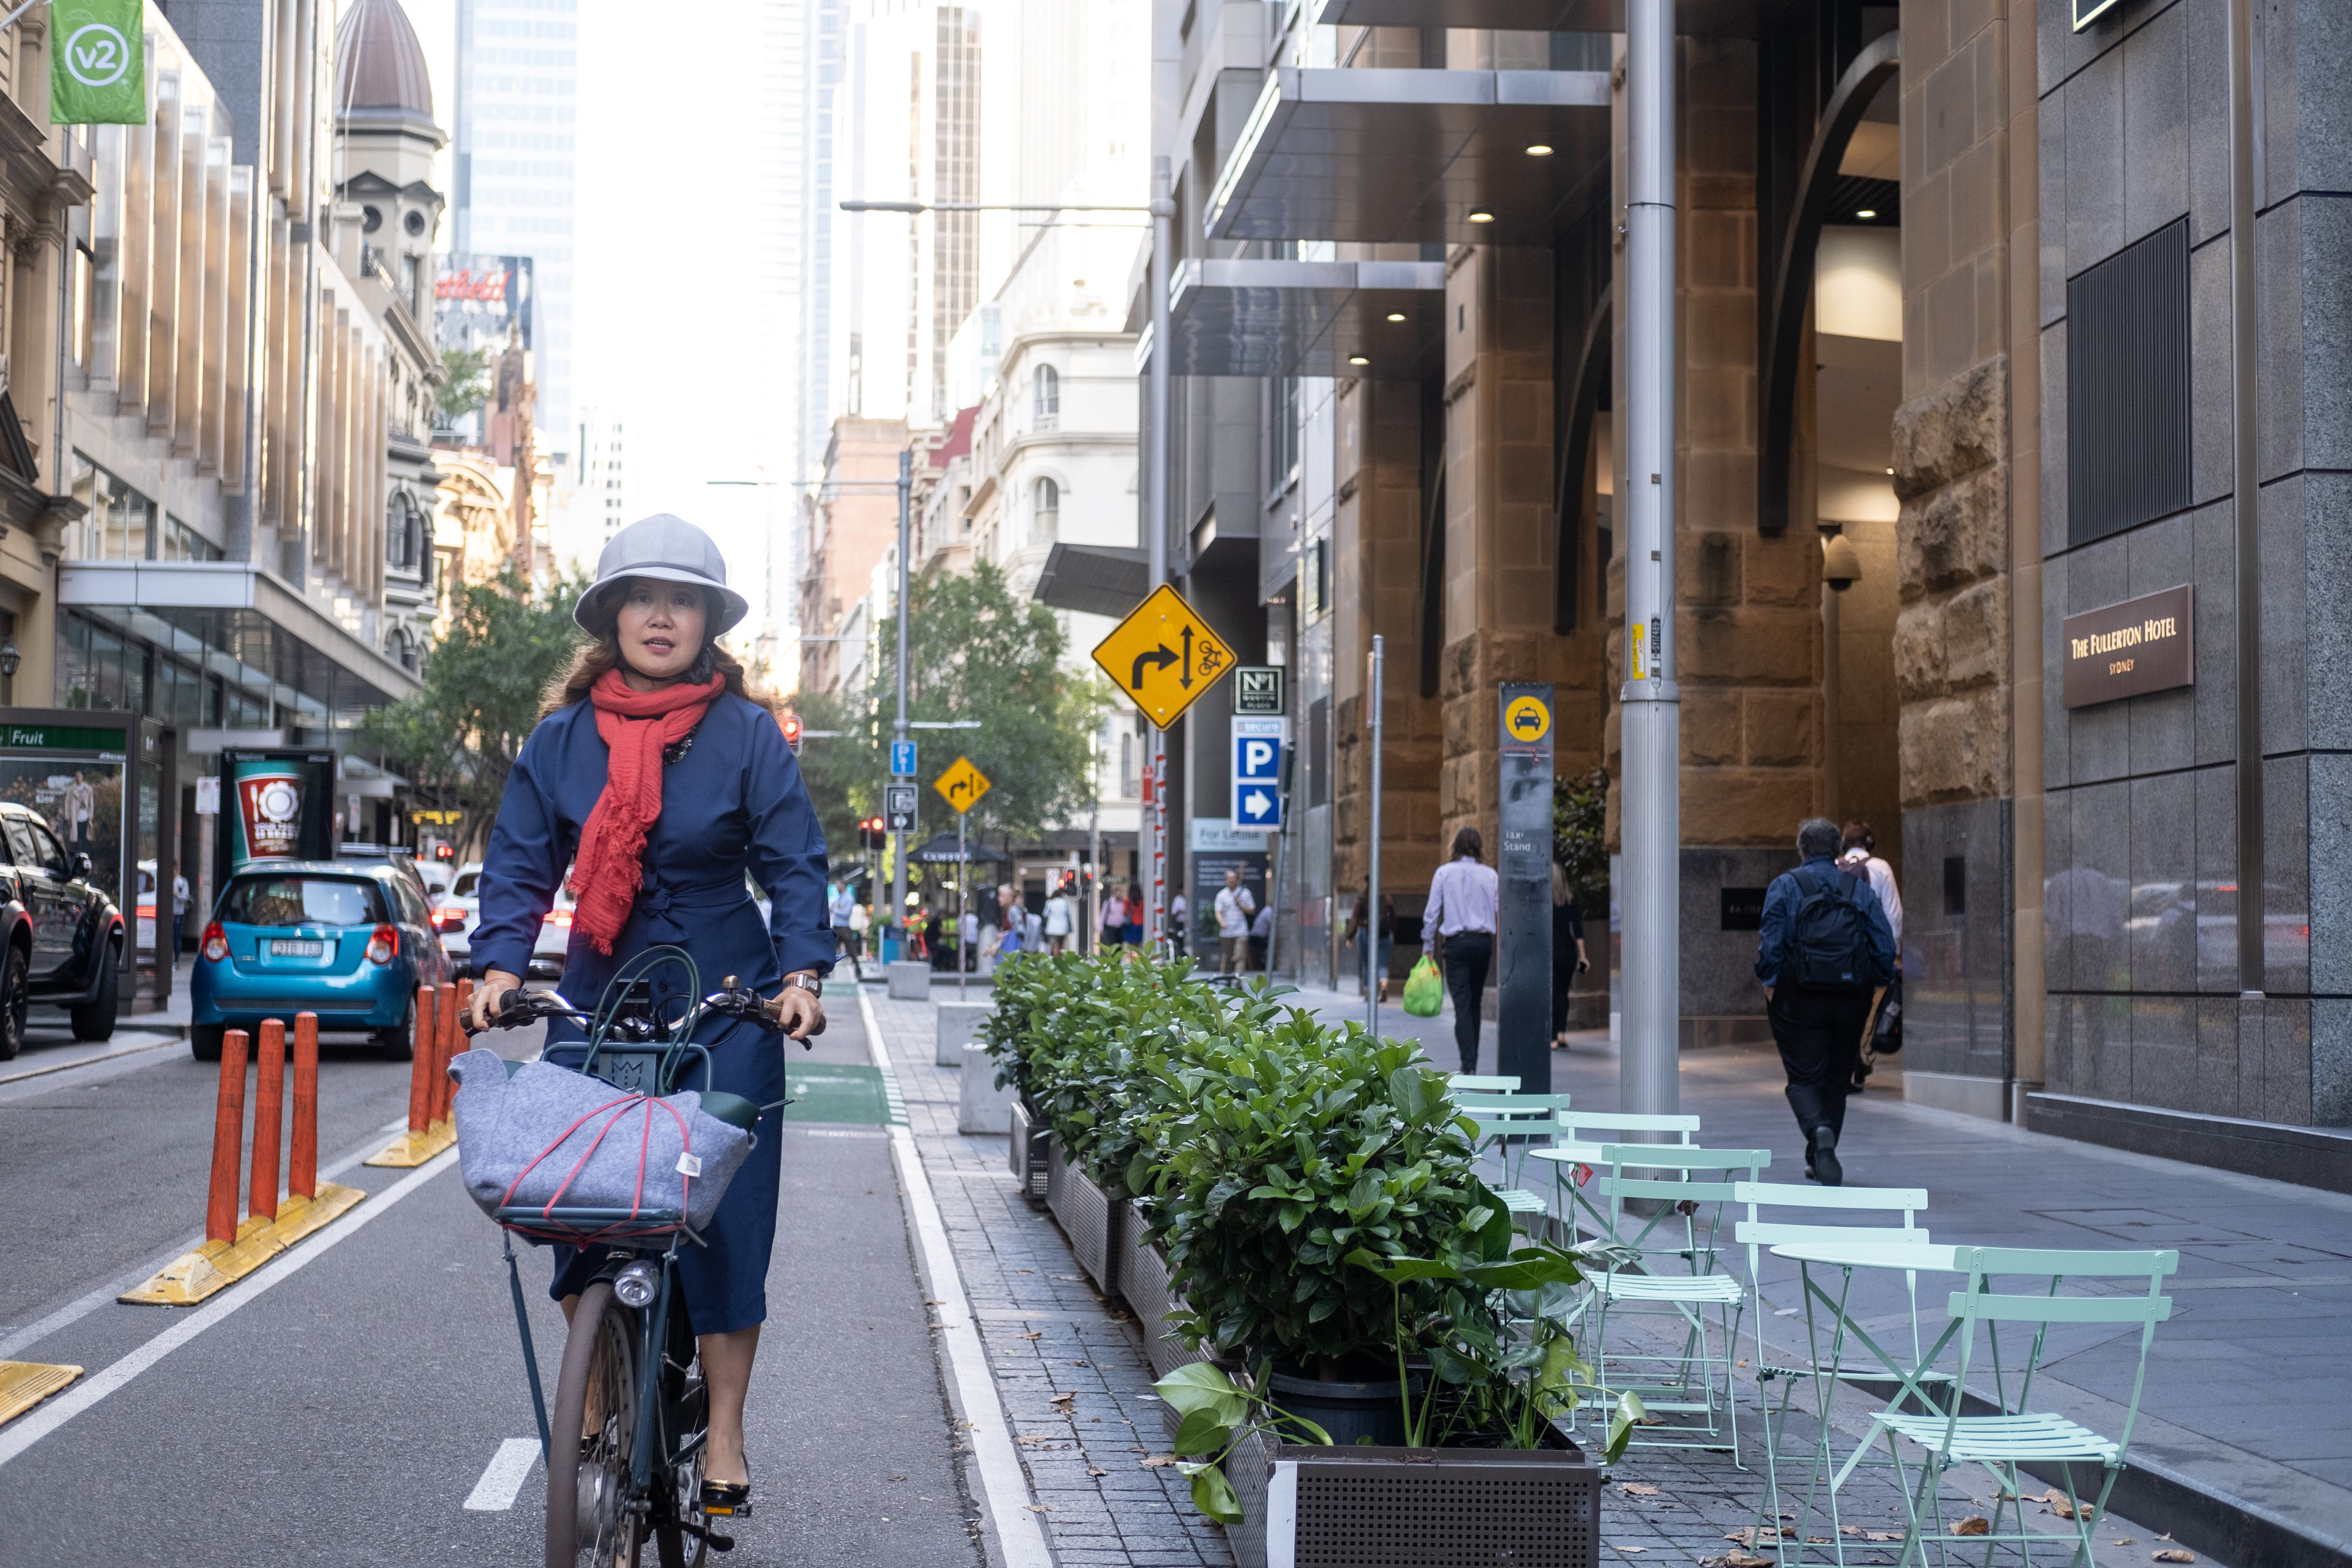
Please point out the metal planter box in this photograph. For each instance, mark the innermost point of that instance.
(1028, 1152)
(1143, 1281)
(1414, 1508)
(1086, 1215)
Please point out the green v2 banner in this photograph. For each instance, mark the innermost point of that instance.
(98, 62)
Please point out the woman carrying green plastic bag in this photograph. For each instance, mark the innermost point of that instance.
(1425, 989)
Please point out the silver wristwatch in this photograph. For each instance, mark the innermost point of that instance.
(806, 982)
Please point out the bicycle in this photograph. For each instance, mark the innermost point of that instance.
(630, 1396)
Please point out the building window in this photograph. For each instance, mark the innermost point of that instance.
(1049, 397)
(1281, 433)
(412, 283)
(181, 542)
(119, 524)
(81, 305)
(1129, 785)
(1049, 511)
(400, 533)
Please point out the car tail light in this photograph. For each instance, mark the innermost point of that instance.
(559, 917)
(385, 945)
(216, 942)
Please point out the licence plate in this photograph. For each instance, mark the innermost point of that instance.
(280, 947)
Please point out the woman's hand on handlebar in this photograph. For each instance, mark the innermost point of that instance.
(798, 1013)
(491, 995)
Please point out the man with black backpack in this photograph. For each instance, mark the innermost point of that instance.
(1825, 951)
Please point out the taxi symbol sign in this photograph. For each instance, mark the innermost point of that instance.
(962, 785)
(1163, 657)
(1527, 720)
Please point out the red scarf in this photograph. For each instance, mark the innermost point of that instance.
(636, 727)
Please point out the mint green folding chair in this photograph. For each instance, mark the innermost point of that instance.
(1578, 1137)
(1482, 1083)
(1662, 1275)
(2019, 1434)
(1758, 1233)
(1508, 1124)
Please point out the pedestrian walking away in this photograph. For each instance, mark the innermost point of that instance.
(178, 908)
(1114, 919)
(1882, 1034)
(845, 925)
(1459, 927)
(1060, 921)
(658, 776)
(1235, 907)
(1824, 951)
(1383, 936)
(1568, 956)
(1262, 940)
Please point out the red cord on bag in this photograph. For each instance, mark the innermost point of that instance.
(619, 1109)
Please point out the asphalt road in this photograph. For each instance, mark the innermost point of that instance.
(344, 1410)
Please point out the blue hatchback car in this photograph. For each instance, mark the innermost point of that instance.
(349, 942)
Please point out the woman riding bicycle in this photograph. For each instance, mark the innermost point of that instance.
(657, 773)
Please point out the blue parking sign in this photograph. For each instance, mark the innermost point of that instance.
(1258, 774)
(902, 758)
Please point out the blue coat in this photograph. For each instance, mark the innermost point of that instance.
(734, 803)
(1780, 923)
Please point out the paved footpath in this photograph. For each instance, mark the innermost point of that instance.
(1069, 1367)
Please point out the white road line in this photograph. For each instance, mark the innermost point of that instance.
(999, 1462)
(22, 1436)
(97, 1054)
(504, 1475)
(74, 1311)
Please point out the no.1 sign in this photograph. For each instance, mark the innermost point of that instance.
(1258, 774)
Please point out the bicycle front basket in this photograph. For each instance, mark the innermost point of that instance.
(554, 1154)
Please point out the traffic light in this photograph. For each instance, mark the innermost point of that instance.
(870, 835)
(792, 722)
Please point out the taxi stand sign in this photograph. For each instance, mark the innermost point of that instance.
(1163, 657)
(962, 785)
(1258, 775)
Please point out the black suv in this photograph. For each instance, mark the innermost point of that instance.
(63, 935)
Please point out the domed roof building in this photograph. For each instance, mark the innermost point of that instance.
(387, 213)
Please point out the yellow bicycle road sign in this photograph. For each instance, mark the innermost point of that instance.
(962, 785)
(1163, 657)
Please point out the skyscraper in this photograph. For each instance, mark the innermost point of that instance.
(518, 79)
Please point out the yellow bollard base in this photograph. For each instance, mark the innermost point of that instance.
(25, 1384)
(216, 1265)
(412, 1149)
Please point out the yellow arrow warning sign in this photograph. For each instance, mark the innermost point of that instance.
(1163, 657)
(962, 785)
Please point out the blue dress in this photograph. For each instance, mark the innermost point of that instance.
(734, 803)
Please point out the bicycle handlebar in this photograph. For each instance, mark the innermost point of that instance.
(519, 1007)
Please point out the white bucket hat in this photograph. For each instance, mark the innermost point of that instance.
(670, 549)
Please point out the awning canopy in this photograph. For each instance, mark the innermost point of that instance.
(1097, 579)
(1305, 317)
(1709, 18)
(1388, 156)
(942, 851)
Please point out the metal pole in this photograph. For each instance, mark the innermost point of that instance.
(1650, 813)
(1372, 874)
(2245, 366)
(898, 874)
(1163, 245)
(963, 900)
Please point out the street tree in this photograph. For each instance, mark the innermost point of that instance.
(975, 653)
(465, 384)
(458, 735)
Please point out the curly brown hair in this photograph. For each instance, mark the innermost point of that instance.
(599, 650)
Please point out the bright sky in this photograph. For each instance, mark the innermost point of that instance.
(665, 221)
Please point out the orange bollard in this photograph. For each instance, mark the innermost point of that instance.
(268, 1115)
(446, 1052)
(424, 1038)
(228, 1141)
(302, 1172)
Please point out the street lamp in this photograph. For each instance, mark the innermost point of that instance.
(10, 657)
(1162, 210)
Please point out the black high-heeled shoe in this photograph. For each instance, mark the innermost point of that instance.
(727, 1500)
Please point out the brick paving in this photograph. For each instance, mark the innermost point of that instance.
(1070, 1367)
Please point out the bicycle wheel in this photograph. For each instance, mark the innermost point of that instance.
(678, 1519)
(595, 1422)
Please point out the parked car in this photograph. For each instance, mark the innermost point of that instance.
(397, 855)
(63, 935)
(547, 954)
(346, 939)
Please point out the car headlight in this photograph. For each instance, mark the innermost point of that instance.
(637, 1285)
